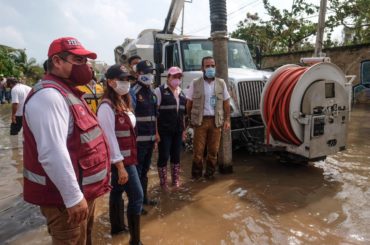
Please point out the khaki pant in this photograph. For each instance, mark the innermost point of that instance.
(206, 135)
(68, 234)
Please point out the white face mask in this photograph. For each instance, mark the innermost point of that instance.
(134, 68)
(122, 88)
(147, 79)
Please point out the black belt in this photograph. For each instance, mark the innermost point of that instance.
(209, 117)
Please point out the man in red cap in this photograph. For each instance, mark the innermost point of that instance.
(66, 156)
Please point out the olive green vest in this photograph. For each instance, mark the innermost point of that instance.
(198, 102)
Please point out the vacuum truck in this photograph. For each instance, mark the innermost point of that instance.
(308, 119)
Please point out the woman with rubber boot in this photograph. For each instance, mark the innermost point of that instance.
(117, 121)
(171, 126)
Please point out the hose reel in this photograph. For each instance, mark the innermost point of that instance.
(306, 109)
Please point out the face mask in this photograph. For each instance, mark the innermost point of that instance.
(147, 79)
(122, 88)
(175, 83)
(80, 74)
(134, 68)
(210, 72)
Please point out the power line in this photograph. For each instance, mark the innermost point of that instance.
(231, 13)
(242, 7)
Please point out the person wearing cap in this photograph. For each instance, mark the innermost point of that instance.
(144, 102)
(132, 63)
(19, 92)
(93, 91)
(118, 122)
(208, 105)
(171, 103)
(66, 155)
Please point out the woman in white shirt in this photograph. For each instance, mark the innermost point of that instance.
(117, 120)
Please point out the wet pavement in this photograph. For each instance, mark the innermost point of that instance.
(263, 202)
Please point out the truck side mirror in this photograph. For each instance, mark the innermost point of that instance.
(258, 57)
(157, 52)
(159, 68)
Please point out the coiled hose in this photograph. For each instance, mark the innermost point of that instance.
(276, 105)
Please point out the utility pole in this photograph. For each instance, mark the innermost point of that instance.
(218, 17)
(320, 29)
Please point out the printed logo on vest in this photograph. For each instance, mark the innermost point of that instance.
(82, 110)
(121, 120)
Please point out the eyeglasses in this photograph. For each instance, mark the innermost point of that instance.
(75, 59)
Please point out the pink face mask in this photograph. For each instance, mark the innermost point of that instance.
(175, 83)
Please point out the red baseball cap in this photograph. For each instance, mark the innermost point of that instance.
(71, 45)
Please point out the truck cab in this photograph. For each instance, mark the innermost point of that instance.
(245, 81)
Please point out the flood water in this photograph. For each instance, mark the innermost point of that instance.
(263, 202)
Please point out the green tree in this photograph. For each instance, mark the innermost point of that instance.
(15, 62)
(292, 31)
(7, 64)
(354, 16)
(286, 30)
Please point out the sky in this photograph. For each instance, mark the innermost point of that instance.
(101, 25)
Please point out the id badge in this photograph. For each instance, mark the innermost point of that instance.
(213, 101)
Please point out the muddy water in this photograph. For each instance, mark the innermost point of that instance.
(263, 202)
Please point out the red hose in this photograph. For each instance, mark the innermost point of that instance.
(276, 106)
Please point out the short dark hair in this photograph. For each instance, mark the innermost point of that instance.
(206, 58)
(134, 57)
(12, 80)
(45, 66)
(50, 65)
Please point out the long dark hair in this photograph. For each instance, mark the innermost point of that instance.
(120, 103)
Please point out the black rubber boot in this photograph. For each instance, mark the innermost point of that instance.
(117, 216)
(134, 227)
(146, 200)
(196, 171)
(210, 171)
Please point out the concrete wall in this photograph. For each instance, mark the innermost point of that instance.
(348, 58)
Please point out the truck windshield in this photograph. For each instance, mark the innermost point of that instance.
(194, 50)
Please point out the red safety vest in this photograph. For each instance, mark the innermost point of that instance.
(87, 147)
(125, 134)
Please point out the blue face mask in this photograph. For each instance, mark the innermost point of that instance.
(210, 72)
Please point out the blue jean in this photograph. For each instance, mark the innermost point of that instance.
(169, 147)
(144, 158)
(132, 188)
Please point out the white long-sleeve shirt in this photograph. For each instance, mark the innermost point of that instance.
(50, 121)
(107, 121)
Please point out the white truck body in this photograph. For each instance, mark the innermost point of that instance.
(246, 82)
(319, 104)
